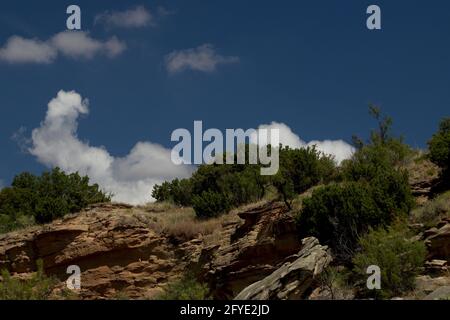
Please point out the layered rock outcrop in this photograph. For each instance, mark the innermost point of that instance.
(119, 251)
(293, 280)
(115, 250)
(255, 249)
(437, 240)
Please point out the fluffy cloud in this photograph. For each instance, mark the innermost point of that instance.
(130, 178)
(203, 58)
(132, 18)
(340, 149)
(20, 50)
(80, 45)
(71, 44)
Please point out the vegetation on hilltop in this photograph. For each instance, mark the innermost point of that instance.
(439, 150)
(372, 190)
(40, 199)
(358, 208)
(214, 189)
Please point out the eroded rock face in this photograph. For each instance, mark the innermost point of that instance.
(119, 252)
(437, 241)
(115, 250)
(426, 285)
(254, 250)
(292, 280)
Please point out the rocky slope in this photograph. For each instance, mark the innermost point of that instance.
(115, 250)
(256, 248)
(254, 254)
(293, 280)
(119, 251)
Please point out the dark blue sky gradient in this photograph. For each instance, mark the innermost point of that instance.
(310, 64)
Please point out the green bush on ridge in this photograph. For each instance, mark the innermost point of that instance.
(439, 147)
(373, 192)
(215, 188)
(44, 198)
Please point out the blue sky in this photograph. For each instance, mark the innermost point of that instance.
(312, 65)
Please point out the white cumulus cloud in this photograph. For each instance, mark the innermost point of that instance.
(20, 50)
(203, 58)
(130, 178)
(81, 45)
(71, 44)
(131, 18)
(340, 149)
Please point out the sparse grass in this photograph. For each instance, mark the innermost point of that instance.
(271, 194)
(248, 206)
(182, 223)
(433, 211)
(334, 280)
(8, 224)
(297, 202)
(420, 168)
(417, 156)
(120, 295)
(156, 207)
(37, 287)
(187, 288)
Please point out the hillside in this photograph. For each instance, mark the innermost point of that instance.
(251, 252)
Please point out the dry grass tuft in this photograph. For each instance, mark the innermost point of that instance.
(432, 211)
(420, 168)
(181, 223)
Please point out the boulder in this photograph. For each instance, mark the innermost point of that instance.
(426, 284)
(121, 252)
(251, 250)
(436, 266)
(293, 280)
(441, 293)
(437, 240)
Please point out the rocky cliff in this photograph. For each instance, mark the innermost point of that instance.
(252, 254)
(119, 251)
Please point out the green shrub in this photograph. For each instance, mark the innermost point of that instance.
(18, 221)
(46, 197)
(301, 169)
(240, 184)
(399, 258)
(231, 184)
(181, 192)
(187, 288)
(383, 152)
(373, 192)
(50, 208)
(337, 214)
(439, 147)
(210, 204)
(305, 167)
(38, 287)
(284, 187)
(161, 193)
